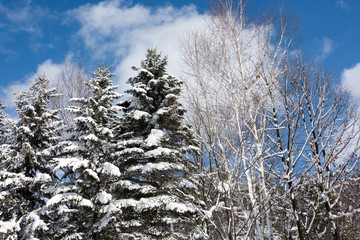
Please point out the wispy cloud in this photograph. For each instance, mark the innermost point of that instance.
(8, 53)
(24, 20)
(326, 48)
(23, 17)
(342, 4)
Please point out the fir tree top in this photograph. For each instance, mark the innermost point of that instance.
(154, 63)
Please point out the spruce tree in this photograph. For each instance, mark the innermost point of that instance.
(157, 188)
(82, 207)
(7, 225)
(4, 126)
(26, 169)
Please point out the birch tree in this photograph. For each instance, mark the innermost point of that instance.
(327, 146)
(228, 97)
(268, 121)
(71, 83)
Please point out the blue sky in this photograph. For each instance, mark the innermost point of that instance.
(39, 36)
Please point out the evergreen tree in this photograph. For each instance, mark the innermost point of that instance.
(4, 126)
(82, 206)
(6, 225)
(26, 168)
(157, 189)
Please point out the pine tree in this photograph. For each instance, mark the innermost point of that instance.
(26, 169)
(82, 206)
(157, 189)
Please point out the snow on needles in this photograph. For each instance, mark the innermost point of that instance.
(42, 177)
(161, 166)
(137, 114)
(167, 202)
(69, 197)
(154, 138)
(110, 169)
(7, 226)
(160, 151)
(104, 197)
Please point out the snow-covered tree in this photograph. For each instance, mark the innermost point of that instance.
(6, 227)
(26, 168)
(157, 190)
(266, 120)
(331, 123)
(81, 207)
(230, 67)
(4, 127)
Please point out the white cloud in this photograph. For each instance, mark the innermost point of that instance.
(122, 32)
(327, 47)
(350, 79)
(342, 4)
(50, 69)
(7, 93)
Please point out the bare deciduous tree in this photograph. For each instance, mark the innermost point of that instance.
(71, 83)
(324, 149)
(229, 101)
(267, 120)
